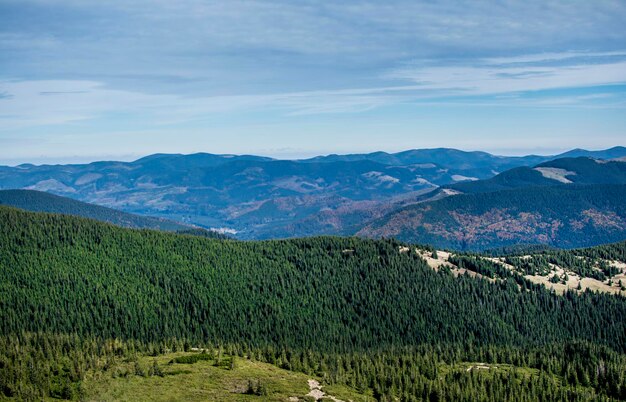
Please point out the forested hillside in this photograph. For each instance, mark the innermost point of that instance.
(564, 216)
(347, 297)
(579, 170)
(39, 201)
(271, 292)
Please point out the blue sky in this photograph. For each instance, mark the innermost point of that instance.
(82, 80)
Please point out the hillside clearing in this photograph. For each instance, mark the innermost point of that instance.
(568, 280)
(206, 381)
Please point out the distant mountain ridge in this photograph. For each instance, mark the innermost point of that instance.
(467, 159)
(260, 197)
(610, 153)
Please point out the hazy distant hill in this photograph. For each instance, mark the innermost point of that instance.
(474, 164)
(259, 197)
(580, 170)
(481, 164)
(611, 153)
(39, 201)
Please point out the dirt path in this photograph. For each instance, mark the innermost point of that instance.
(317, 393)
(480, 366)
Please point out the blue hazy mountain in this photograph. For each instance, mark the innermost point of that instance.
(260, 197)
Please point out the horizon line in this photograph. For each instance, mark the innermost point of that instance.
(132, 157)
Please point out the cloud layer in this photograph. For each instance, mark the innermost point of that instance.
(143, 65)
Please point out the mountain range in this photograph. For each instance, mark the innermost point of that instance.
(257, 197)
(94, 311)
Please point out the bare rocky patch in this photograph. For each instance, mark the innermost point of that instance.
(317, 393)
(555, 174)
(567, 278)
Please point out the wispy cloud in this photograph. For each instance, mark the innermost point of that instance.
(50, 102)
(283, 42)
(507, 75)
(142, 65)
(53, 102)
(552, 57)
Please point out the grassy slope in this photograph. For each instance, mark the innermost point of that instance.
(203, 381)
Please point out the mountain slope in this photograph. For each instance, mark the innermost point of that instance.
(39, 201)
(93, 311)
(581, 170)
(561, 216)
(150, 285)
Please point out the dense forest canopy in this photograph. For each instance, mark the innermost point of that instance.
(355, 299)
(65, 274)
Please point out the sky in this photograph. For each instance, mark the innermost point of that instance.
(85, 80)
